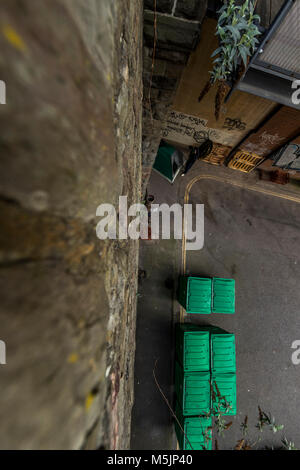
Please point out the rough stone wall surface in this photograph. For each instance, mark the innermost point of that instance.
(70, 140)
(174, 33)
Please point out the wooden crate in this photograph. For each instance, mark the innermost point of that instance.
(217, 155)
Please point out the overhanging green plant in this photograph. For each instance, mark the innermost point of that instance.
(237, 33)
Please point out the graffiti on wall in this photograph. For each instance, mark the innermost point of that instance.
(234, 124)
(184, 125)
(192, 130)
(288, 157)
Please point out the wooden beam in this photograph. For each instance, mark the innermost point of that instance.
(267, 10)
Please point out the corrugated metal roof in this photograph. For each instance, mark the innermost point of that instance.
(283, 49)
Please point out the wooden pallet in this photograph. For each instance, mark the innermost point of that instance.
(245, 161)
(217, 155)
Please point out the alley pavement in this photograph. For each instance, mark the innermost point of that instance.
(253, 237)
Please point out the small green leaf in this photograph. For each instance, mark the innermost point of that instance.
(243, 55)
(216, 52)
(222, 17)
(233, 31)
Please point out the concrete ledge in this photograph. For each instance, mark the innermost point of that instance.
(172, 32)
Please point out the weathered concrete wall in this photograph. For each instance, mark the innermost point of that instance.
(70, 140)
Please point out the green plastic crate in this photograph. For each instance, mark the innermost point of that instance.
(192, 347)
(223, 356)
(195, 294)
(197, 433)
(193, 391)
(223, 296)
(224, 386)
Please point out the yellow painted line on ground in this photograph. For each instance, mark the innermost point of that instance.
(232, 183)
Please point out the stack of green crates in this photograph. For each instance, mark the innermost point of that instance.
(205, 380)
(192, 391)
(223, 357)
(192, 348)
(194, 433)
(223, 372)
(195, 294)
(223, 291)
(200, 295)
(224, 397)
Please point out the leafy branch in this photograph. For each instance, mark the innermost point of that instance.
(265, 419)
(237, 33)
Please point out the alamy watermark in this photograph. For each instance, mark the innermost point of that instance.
(296, 94)
(2, 353)
(158, 219)
(296, 354)
(2, 92)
